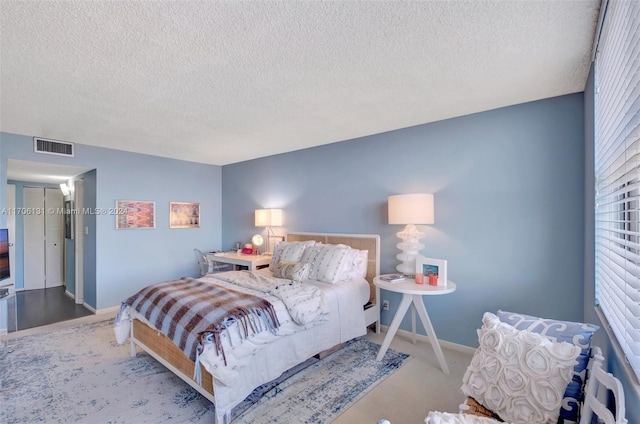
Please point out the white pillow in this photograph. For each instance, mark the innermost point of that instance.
(288, 251)
(519, 375)
(357, 265)
(328, 262)
(296, 271)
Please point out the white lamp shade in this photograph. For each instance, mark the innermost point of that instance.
(64, 189)
(257, 240)
(268, 218)
(411, 209)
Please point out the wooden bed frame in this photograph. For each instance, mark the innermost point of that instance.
(168, 354)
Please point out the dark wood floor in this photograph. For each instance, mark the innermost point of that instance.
(41, 307)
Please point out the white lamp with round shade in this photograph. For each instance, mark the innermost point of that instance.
(257, 241)
(410, 210)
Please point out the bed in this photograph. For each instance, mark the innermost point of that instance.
(228, 379)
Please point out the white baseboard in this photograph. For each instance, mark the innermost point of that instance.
(113, 310)
(71, 295)
(443, 343)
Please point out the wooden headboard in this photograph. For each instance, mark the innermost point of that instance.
(369, 242)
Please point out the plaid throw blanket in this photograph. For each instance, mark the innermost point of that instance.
(187, 310)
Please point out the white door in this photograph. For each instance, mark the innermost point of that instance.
(54, 238)
(11, 225)
(34, 267)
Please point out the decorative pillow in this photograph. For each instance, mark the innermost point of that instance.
(436, 417)
(296, 271)
(327, 262)
(519, 375)
(288, 251)
(576, 333)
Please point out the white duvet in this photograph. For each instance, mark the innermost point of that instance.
(303, 301)
(262, 357)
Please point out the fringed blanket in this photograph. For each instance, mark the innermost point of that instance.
(186, 310)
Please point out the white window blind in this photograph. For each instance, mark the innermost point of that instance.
(617, 162)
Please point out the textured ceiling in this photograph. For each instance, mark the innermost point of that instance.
(223, 82)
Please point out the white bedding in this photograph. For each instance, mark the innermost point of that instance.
(304, 302)
(264, 356)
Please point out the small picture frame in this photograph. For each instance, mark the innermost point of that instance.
(135, 215)
(433, 267)
(184, 215)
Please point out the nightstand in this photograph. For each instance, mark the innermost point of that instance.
(252, 262)
(412, 294)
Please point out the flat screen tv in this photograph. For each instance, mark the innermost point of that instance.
(5, 272)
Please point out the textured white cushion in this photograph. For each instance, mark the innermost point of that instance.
(519, 375)
(436, 417)
(290, 251)
(328, 262)
(297, 271)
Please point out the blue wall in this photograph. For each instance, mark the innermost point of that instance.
(509, 196)
(126, 260)
(502, 178)
(90, 262)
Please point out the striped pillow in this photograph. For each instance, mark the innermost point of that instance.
(288, 251)
(328, 262)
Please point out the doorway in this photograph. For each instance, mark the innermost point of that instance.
(35, 308)
(42, 301)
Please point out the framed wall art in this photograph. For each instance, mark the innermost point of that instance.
(135, 214)
(184, 215)
(434, 270)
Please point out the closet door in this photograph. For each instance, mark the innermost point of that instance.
(54, 238)
(33, 223)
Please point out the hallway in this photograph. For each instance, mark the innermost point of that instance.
(41, 307)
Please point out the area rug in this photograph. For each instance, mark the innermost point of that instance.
(80, 375)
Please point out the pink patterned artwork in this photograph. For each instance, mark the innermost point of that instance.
(136, 214)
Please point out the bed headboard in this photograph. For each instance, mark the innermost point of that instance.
(369, 242)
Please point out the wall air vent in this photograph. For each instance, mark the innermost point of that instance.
(53, 147)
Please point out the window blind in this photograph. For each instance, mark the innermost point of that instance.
(617, 172)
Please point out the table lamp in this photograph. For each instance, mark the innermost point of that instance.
(257, 241)
(410, 210)
(268, 218)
